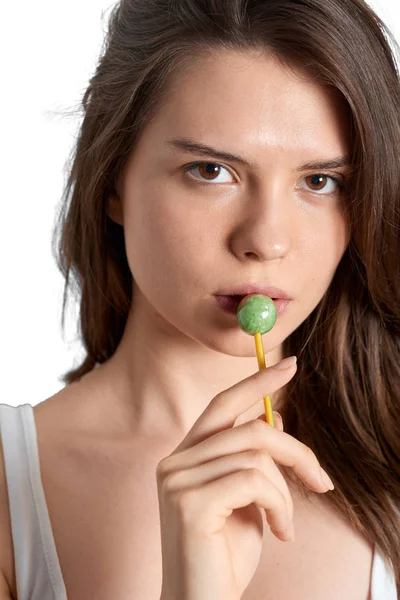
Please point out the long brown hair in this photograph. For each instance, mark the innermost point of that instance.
(344, 401)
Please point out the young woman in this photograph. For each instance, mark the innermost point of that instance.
(227, 147)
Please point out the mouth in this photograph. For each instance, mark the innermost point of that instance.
(229, 298)
(230, 303)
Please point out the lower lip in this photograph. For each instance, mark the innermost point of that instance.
(230, 304)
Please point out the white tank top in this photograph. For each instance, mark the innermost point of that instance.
(38, 571)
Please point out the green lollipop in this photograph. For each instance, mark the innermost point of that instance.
(256, 314)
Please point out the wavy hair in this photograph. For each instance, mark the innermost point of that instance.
(345, 399)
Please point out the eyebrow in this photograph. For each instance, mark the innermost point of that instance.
(192, 147)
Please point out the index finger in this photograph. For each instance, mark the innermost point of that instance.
(228, 405)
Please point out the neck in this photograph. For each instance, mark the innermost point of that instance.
(162, 380)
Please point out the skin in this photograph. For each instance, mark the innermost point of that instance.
(186, 241)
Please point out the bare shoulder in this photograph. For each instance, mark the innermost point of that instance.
(50, 417)
(80, 409)
(7, 568)
(74, 421)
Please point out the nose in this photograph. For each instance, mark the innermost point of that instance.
(264, 231)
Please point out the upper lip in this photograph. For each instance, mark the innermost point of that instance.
(245, 290)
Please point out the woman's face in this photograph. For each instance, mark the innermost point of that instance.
(224, 224)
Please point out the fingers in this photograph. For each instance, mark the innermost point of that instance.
(206, 508)
(282, 447)
(218, 468)
(227, 406)
(181, 479)
(277, 418)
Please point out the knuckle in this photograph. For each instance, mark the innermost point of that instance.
(162, 469)
(220, 403)
(170, 483)
(257, 427)
(261, 457)
(255, 476)
(309, 454)
(219, 398)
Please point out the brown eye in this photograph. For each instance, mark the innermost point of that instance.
(208, 172)
(318, 183)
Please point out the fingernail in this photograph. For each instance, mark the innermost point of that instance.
(286, 363)
(326, 480)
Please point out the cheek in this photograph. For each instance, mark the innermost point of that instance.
(324, 248)
(166, 241)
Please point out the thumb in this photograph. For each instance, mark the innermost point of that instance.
(277, 417)
(278, 420)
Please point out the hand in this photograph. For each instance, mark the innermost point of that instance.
(220, 474)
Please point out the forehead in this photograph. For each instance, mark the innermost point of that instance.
(252, 101)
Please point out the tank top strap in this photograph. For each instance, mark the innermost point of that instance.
(37, 567)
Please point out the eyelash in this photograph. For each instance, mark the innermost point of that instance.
(341, 184)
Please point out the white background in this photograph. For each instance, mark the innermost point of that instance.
(48, 52)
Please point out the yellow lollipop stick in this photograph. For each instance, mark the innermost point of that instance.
(261, 365)
(256, 314)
